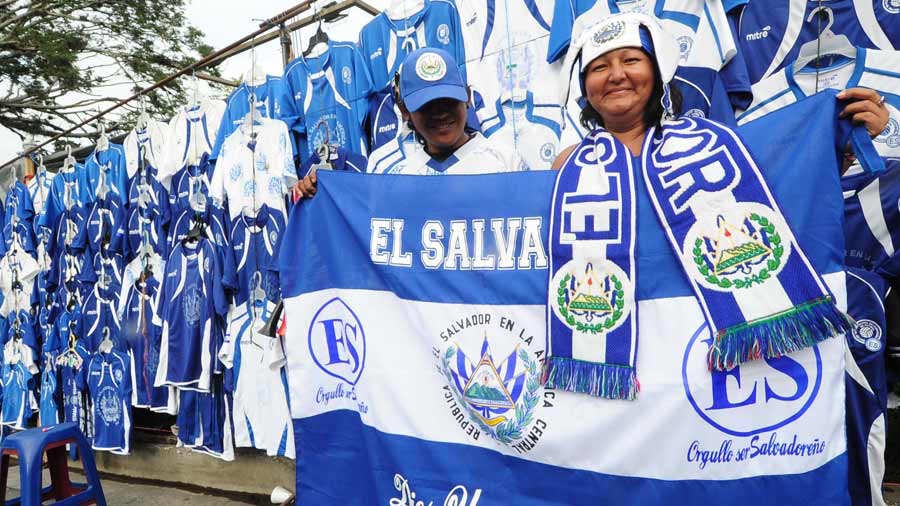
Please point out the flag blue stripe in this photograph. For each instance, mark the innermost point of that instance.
(369, 459)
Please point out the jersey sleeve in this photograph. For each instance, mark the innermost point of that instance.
(217, 183)
(285, 155)
(362, 88)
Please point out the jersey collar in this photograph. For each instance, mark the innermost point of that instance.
(459, 154)
(406, 22)
(859, 65)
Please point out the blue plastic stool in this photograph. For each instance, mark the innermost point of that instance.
(30, 446)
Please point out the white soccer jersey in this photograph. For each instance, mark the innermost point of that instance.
(478, 156)
(152, 139)
(532, 129)
(871, 68)
(236, 179)
(17, 264)
(192, 133)
(39, 189)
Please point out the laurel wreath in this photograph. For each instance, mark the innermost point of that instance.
(512, 429)
(748, 281)
(603, 326)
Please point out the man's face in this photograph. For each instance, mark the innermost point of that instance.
(442, 123)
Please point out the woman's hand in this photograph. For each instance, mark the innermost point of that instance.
(867, 108)
(306, 187)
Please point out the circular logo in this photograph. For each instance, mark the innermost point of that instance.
(758, 396)
(608, 32)
(118, 375)
(346, 75)
(594, 297)
(548, 152)
(892, 6)
(249, 188)
(515, 65)
(738, 247)
(206, 264)
(494, 376)
(273, 236)
(868, 333)
(443, 33)
(685, 44)
(337, 341)
(235, 172)
(890, 135)
(431, 67)
(694, 113)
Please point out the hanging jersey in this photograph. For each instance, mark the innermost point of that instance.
(771, 33)
(254, 173)
(115, 173)
(101, 320)
(192, 133)
(531, 129)
(73, 368)
(102, 272)
(16, 394)
(205, 420)
(215, 228)
(477, 156)
(272, 101)
(20, 231)
(109, 381)
(71, 185)
(253, 243)
(339, 159)
(105, 226)
(24, 332)
(133, 270)
(703, 95)
(39, 190)
(18, 203)
(870, 68)
(866, 401)
(18, 271)
(260, 409)
(48, 313)
(146, 188)
(340, 83)
(141, 332)
(872, 220)
(187, 181)
(49, 403)
(149, 224)
(193, 303)
(389, 37)
(148, 143)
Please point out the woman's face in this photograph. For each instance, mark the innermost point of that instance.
(442, 123)
(619, 84)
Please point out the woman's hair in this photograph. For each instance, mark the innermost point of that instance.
(653, 113)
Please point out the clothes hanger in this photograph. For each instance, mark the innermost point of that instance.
(69, 163)
(103, 140)
(827, 43)
(143, 119)
(106, 345)
(70, 357)
(320, 38)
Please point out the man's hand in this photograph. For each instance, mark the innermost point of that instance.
(305, 188)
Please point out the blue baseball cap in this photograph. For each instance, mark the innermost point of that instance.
(428, 74)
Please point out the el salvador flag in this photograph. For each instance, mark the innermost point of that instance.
(416, 333)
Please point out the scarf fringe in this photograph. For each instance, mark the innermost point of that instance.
(609, 381)
(786, 332)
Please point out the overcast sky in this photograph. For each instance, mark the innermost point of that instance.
(224, 22)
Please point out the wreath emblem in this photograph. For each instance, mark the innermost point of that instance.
(740, 256)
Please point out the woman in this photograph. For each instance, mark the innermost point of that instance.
(758, 294)
(623, 87)
(433, 99)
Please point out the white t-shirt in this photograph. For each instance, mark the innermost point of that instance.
(477, 156)
(27, 268)
(235, 177)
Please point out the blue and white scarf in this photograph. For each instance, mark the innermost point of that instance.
(756, 287)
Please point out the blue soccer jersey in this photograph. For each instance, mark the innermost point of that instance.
(109, 382)
(101, 320)
(866, 399)
(49, 402)
(18, 202)
(272, 101)
(147, 223)
(330, 94)
(16, 395)
(872, 220)
(204, 421)
(113, 165)
(771, 33)
(187, 181)
(21, 232)
(102, 272)
(193, 306)
(391, 35)
(215, 226)
(105, 226)
(141, 332)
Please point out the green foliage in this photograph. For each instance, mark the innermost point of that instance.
(50, 49)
